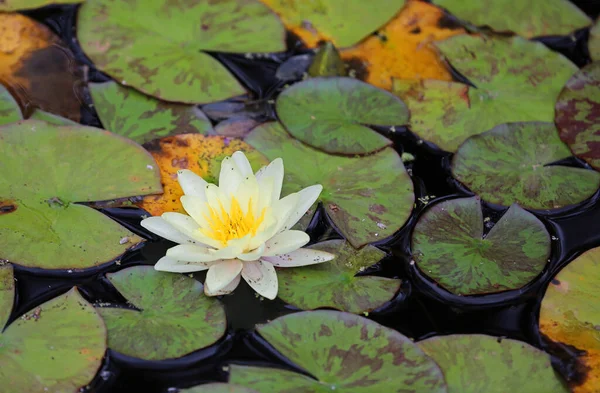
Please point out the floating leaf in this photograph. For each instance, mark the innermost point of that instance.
(16, 5)
(516, 79)
(327, 62)
(578, 114)
(7, 293)
(198, 153)
(218, 388)
(332, 113)
(448, 245)
(334, 284)
(594, 41)
(343, 352)
(236, 126)
(477, 363)
(570, 314)
(9, 109)
(49, 118)
(162, 53)
(367, 198)
(511, 163)
(45, 170)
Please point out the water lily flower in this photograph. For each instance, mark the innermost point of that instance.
(238, 229)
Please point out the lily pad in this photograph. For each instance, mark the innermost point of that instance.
(334, 284)
(142, 118)
(162, 54)
(45, 170)
(449, 246)
(368, 198)
(342, 352)
(578, 114)
(514, 163)
(516, 80)
(327, 62)
(17, 5)
(332, 114)
(594, 41)
(218, 388)
(173, 316)
(526, 18)
(570, 314)
(9, 109)
(56, 347)
(477, 363)
(50, 118)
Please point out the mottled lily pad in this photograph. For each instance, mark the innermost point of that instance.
(334, 284)
(516, 80)
(218, 388)
(343, 352)
(9, 109)
(46, 169)
(578, 114)
(594, 41)
(570, 314)
(332, 114)
(526, 18)
(162, 53)
(448, 245)
(56, 347)
(367, 198)
(173, 316)
(477, 363)
(511, 163)
(142, 118)
(16, 5)
(50, 118)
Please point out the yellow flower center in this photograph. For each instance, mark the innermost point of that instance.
(233, 225)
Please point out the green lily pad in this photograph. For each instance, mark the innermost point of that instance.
(142, 118)
(517, 80)
(594, 41)
(162, 53)
(56, 347)
(331, 114)
(45, 170)
(511, 164)
(448, 246)
(51, 118)
(218, 388)
(526, 18)
(578, 114)
(334, 284)
(17, 5)
(477, 363)
(327, 62)
(343, 352)
(367, 198)
(174, 319)
(9, 109)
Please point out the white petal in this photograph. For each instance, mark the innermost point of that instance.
(167, 264)
(197, 208)
(186, 225)
(192, 253)
(307, 197)
(163, 229)
(191, 184)
(265, 193)
(261, 276)
(224, 291)
(217, 199)
(283, 208)
(274, 171)
(301, 257)
(266, 230)
(230, 176)
(221, 274)
(253, 255)
(285, 242)
(242, 163)
(248, 192)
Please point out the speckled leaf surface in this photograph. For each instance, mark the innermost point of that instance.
(511, 164)
(142, 118)
(174, 319)
(46, 169)
(162, 54)
(50, 118)
(449, 247)
(477, 363)
(334, 285)
(332, 114)
(526, 18)
(7, 293)
(570, 314)
(16, 5)
(578, 114)
(218, 388)
(345, 353)
(56, 347)
(594, 41)
(367, 198)
(9, 109)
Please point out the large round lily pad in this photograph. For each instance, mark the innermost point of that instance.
(218, 388)
(448, 245)
(9, 109)
(578, 114)
(16, 5)
(332, 114)
(334, 284)
(344, 353)
(45, 170)
(174, 317)
(368, 198)
(162, 53)
(570, 314)
(511, 163)
(477, 363)
(594, 41)
(516, 80)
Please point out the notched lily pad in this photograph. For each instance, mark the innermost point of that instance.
(368, 198)
(17, 5)
(342, 352)
(514, 163)
(449, 246)
(334, 284)
(9, 109)
(173, 316)
(218, 388)
(332, 114)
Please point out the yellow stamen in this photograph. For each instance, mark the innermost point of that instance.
(233, 225)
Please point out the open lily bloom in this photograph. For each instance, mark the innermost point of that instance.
(239, 229)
